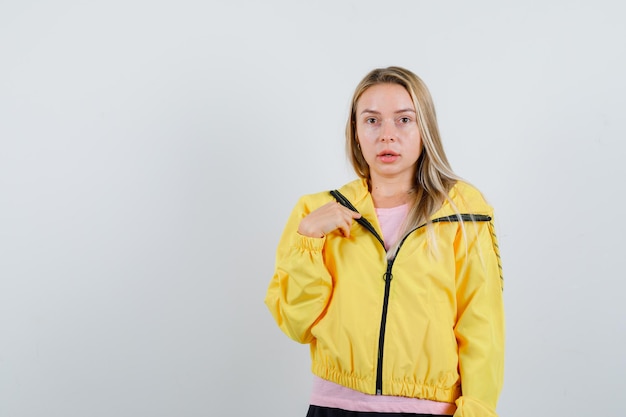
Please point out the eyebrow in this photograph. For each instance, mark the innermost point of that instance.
(407, 110)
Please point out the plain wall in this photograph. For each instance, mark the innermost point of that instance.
(152, 150)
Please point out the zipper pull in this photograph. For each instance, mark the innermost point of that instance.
(388, 275)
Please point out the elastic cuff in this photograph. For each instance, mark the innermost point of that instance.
(472, 407)
(313, 244)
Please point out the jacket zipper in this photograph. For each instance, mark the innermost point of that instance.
(388, 276)
(383, 323)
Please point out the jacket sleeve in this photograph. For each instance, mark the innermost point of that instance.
(301, 286)
(479, 328)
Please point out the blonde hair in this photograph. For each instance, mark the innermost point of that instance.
(433, 177)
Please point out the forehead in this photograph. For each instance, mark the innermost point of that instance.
(382, 97)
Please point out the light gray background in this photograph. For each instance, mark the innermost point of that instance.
(152, 150)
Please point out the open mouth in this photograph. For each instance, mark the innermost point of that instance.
(388, 156)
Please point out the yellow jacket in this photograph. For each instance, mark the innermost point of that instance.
(427, 324)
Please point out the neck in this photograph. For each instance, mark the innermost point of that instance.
(388, 194)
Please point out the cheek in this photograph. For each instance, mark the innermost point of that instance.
(359, 131)
(367, 149)
(416, 139)
(418, 150)
(364, 133)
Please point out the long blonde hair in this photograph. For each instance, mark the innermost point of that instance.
(433, 177)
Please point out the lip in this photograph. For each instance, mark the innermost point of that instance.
(388, 156)
(387, 152)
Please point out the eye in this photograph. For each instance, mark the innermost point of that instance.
(370, 120)
(405, 120)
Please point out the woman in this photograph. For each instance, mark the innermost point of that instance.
(394, 279)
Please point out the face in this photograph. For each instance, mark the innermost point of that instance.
(388, 133)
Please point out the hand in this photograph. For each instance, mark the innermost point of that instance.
(329, 217)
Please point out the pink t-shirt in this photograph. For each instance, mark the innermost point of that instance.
(329, 394)
(390, 220)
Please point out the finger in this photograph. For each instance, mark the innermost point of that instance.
(348, 222)
(353, 214)
(345, 229)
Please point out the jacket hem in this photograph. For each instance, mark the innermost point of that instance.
(411, 389)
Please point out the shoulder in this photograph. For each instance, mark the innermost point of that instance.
(469, 199)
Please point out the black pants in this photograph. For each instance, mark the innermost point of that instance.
(315, 411)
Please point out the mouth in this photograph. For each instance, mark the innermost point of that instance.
(387, 156)
(387, 153)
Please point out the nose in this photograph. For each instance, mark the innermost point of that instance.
(387, 132)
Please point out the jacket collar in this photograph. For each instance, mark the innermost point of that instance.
(465, 197)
